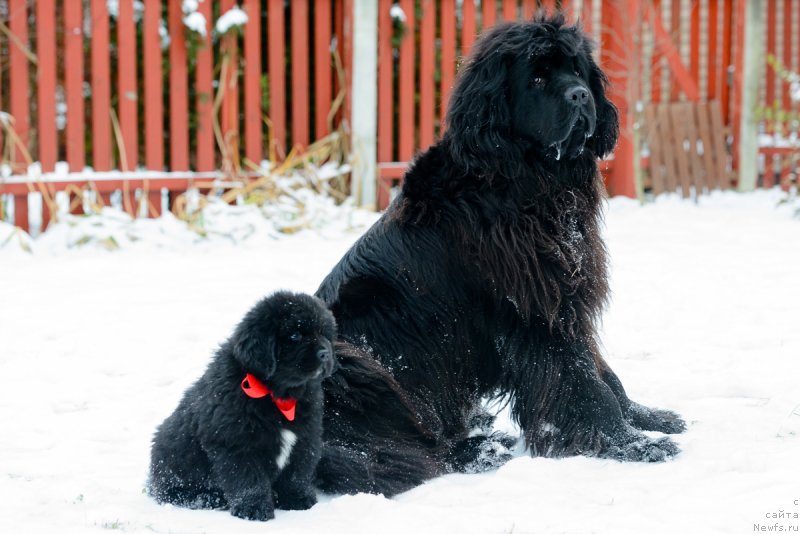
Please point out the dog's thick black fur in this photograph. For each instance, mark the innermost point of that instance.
(487, 277)
(223, 449)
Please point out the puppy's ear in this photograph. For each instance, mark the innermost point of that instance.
(255, 349)
(607, 128)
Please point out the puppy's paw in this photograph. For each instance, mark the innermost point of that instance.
(253, 506)
(645, 418)
(296, 500)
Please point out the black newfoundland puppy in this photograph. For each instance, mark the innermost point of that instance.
(486, 277)
(252, 424)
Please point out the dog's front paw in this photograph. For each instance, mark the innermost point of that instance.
(479, 454)
(296, 500)
(253, 506)
(636, 447)
(645, 418)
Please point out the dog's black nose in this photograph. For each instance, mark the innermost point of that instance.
(577, 95)
(324, 354)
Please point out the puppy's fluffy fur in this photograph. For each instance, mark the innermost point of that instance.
(223, 449)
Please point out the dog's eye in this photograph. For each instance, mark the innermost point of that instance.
(578, 74)
(296, 337)
(538, 81)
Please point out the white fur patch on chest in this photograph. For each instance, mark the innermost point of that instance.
(288, 439)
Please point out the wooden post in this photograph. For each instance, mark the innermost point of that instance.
(749, 30)
(101, 87)
(365, 93)
(276, 68)
(620, 20)
(73, 86)
(19, 95)
(46, 89)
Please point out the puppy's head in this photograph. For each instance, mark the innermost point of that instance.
(286, 340)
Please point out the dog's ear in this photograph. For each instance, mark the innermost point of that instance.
(255, 349)
(478, 115)
(607, 127)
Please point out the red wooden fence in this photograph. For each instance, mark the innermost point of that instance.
(641, 48)
(145, 116)
(123, 127)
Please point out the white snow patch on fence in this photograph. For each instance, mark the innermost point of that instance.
(234, 17)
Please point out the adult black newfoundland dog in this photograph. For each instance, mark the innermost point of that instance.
(487, 277)
(252, 424)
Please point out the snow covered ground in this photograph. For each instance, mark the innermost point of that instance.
(97, 346)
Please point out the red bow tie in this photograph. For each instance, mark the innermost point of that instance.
(255, 389)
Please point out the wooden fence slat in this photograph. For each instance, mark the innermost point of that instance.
(654, 143)
(18, 79)
(277, 82)
(253, 141)
(406, 86)
(587, 10)
(567, 7)
(153, 87)
(205, 144)
(73, 86)
(694, 42)
(385, 86)
(704, 129)
(681, 156)
(427, 73)
(154, 199)
(528, 8)
(718, 141)
(548, 5)
(712, 74)
(127, 92)
(46, 83)
(448, 66)
(300, 87)
(229, 120)
(101, 87)
(668, 152)
(347, 52)
(727, 34)
(468, 28)
(178, 90)
(322, 68)
(656, 61)
(695, 162)
(21, 211)
(674, 37)
(488, 14)
(770, 95)
(788, 31)
(2, 144)
(509, 10)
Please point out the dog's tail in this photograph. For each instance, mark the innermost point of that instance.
(377, 438)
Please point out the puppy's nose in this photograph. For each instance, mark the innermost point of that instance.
(577, 95)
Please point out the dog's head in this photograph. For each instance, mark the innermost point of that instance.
(286, 340)
(531, 88)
